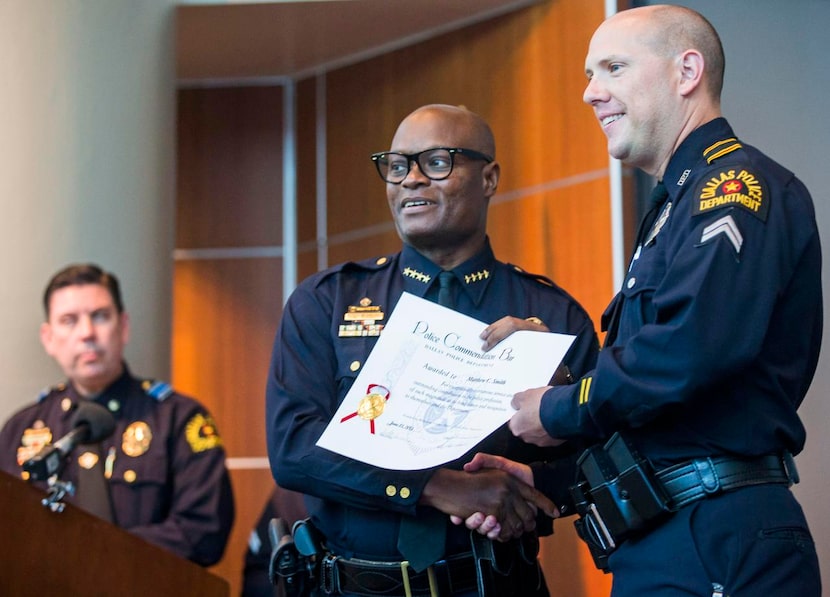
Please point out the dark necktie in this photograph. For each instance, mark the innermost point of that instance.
(422, 538)
(658, 197)
(93, 491)
(446, 281)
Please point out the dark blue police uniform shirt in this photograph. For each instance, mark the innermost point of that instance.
(721, 317)
(167, 474)
(315, 361)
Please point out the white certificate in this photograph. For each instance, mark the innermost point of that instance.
(428, 393)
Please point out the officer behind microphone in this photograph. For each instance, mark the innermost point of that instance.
(161, 474)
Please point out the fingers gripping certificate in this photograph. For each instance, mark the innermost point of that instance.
(427, 393)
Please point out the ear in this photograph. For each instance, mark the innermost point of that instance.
(490, 173)
(46, 337)
(125, 327)
(691, 71)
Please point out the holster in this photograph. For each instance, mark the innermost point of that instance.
(508, 569)
(294, 558)
(618, 497)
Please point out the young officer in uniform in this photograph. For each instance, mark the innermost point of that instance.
(440, 175)
(163, 466)
(713, 339)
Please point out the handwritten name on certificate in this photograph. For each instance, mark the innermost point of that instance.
(427, 394)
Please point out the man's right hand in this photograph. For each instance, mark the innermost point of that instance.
(488, 524)
(512, 502)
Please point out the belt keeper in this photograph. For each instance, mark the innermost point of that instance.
(407, 588)
(707, 474)
(790, 469)
(329, 581)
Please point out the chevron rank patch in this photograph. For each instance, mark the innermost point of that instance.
(732, 187)
(725, 227)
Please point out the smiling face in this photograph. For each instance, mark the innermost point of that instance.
(446, 220)
(654, 75)
(631, 89)
(86, 335)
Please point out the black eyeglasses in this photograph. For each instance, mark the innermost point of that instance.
(435, 163)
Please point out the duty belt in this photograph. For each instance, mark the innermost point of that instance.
(366, 577)
(621, 495)
(688, 482)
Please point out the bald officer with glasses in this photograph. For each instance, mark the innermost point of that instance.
(440, 175)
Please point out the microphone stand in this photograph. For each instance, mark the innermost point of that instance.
(57, 491)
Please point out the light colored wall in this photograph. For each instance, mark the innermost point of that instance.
(86, 170)
(775, 96)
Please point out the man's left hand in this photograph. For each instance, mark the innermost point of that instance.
(526, 423)
(498, 331)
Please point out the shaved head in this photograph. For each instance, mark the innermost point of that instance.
(669, 30)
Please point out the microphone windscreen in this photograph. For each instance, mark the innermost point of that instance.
(100, 421)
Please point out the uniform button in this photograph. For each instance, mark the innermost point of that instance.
(355, 365)
(129, 476)
(631, 282)
(66, 404)
(381, 261)
(405, 493)
(391, 490)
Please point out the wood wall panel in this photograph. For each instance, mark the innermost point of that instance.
(225, 314)
(306, 134)
(562, 234)
(229, 179)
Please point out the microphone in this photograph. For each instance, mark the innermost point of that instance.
(91, 423)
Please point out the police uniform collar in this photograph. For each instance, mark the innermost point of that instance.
(473, 275)
(689, 156)
(117, 390)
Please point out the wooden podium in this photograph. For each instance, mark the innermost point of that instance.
(75, 553)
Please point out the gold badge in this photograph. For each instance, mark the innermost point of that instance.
(361, 320)
(33, 439)
(36, 436)
(136, 439)
(87, 460)
(201, 433)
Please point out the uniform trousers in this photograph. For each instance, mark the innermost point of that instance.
(750, 542)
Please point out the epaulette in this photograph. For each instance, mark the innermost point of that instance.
(373, 264)
(58, 387)
(535, 277)
(159, 390)
(721, 148)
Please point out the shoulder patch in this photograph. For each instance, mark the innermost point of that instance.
(159, 390)
(732, 187)
(201, 433)
(535, 277)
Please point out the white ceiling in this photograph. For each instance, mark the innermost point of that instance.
(226, 40)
